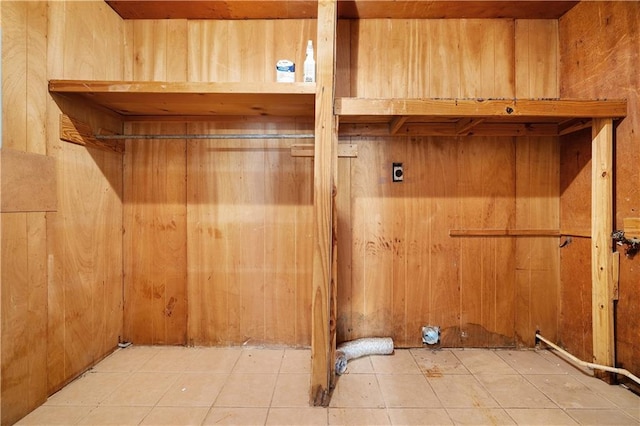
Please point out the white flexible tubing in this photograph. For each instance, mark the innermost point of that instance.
(591, 365)
(359, 348)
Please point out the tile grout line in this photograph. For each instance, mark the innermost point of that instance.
(275, 385)
(226, 380)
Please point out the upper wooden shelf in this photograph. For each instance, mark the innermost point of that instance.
(466, 117)
(140, 100)
(347, 9)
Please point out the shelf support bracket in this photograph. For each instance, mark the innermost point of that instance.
(396, 124)
(79, 133)
(464, 125)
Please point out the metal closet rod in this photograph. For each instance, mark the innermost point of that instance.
(216, 136)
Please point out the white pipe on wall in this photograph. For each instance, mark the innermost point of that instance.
(590, 365)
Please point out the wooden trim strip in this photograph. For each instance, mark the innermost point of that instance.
(504, 233)
(482, 107)
(448, 129)
(349, 150)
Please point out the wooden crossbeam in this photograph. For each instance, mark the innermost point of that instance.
(495, 108)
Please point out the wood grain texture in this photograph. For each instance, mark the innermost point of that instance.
(405, 270)
(154, 239)
(28, 182)
(75, 131)
(84, 237)
(134, 99)
(604, 63)
(535, 110)
(602, 310)
(155, 213)
(537, 177)
(23, 275)
(248, 200)
(631, 227)
(323, 319)
(234, 9)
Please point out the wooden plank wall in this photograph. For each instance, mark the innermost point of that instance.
(24, 273)
(236, 214)
(155, 219)
(599, 59)
(85, 235)
(398, 267)
(61, 271)
(537, 190)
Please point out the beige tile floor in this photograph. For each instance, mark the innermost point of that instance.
(205, 386)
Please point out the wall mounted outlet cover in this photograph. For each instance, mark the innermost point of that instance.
(397, 172)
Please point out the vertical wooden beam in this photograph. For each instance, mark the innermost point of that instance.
(326, 142)
(601, 242)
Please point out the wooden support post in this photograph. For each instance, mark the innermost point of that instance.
(601, 243)
(326, 141)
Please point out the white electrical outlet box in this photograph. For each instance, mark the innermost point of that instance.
(397, 172)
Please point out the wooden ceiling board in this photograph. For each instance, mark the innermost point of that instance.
(347, 9)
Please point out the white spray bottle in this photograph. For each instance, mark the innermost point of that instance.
(309, 65)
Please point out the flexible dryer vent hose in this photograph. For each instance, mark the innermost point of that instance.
(361, 347)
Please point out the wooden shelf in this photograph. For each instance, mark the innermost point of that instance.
(347, 9)
(468, 117)
(140, 100)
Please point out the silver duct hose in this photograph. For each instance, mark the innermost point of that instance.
(361, 347)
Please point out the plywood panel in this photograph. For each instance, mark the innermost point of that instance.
(251, 51)
(486, 170)
(603, 63)
(487, 200)
(84, 237)
(23, 276)
(466, 285)
(14, 90)
(211, 299)
(249, 240)
(28, 182)
(154, 239)
(155, 197)
(537, 190)
(24, 296)
(437, 258)
(536, 66)
(249, 202)
(92, 251)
